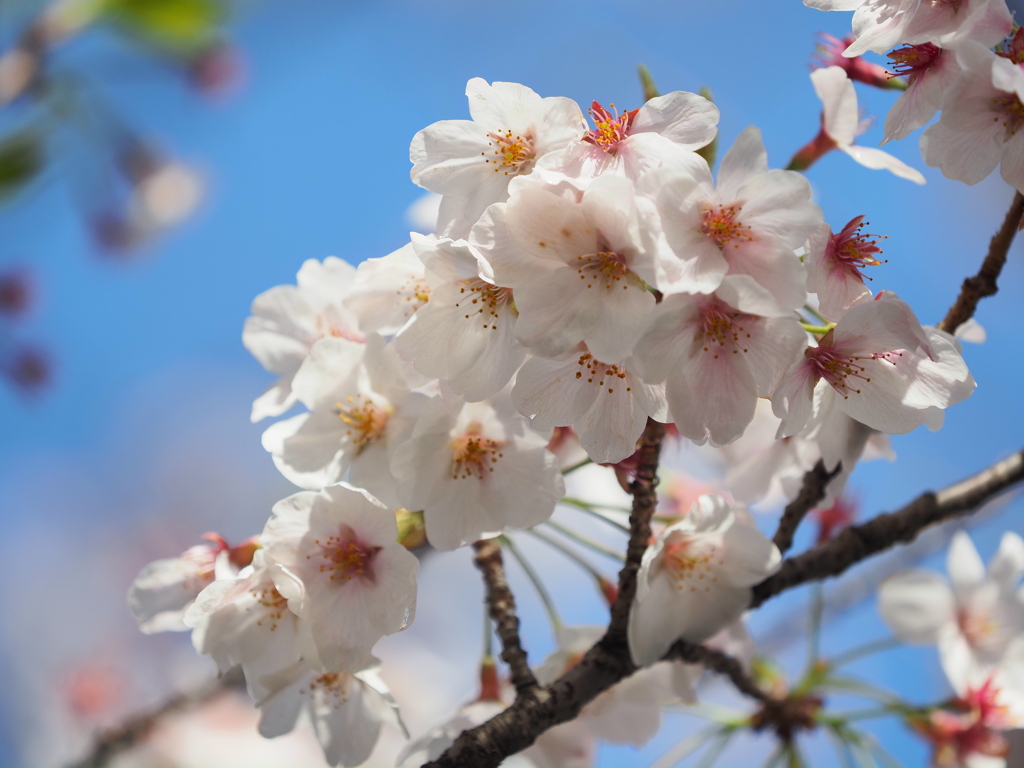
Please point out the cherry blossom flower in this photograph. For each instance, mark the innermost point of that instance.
(666, 130)
(465, 336)
(750, 223)
(246, 621)
(630, 711)
(287, 320)
(930, 72)
(346, 710)
(883, 368)
(607, 404)
(718, 353)
(475, 469)
(361, 407)
(973, 618)
(335, 557)
(471, 162)
(576, 261)
(840, 126)
(697, 577)
(387, 291)
(878, 25)
(165, 589)
(966, 731)
(981, 120)
(834, 263)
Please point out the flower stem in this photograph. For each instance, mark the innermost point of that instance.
(594, 510)
(577, 465)
(532, 575)
(817, 329)
(568, 552)
(875, 646)
(588, 543)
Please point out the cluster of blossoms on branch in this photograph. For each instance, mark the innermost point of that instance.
(585, 280)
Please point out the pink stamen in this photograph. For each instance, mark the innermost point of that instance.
(610, 128)
(852, 250)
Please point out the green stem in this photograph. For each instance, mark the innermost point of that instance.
(568, 552)
(590, 510)
(814, 633)
(812, 311)
(817, 329)
(577, 465)
(687, 746)
(588, 543)
(531, 574)
(589, 505)
(875, 646)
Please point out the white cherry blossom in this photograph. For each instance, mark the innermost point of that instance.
(607, 404)
(841, 124)
(246, 621)
(878, 25)
(471, 162)
(386, 292)
(335, 557)
(950, 24)
(576, 261)
(346, 710)
(973, 618)
(696, 578)
(361, 407)
(834, 262)
(981, 121)
(475, 469)
(717, 354)
(466, 335)
(666, 130)
(885, 369)
(750, 223)
(288, 320)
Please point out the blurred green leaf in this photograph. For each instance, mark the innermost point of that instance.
(647, 83)
(21, 159)
(179, 24)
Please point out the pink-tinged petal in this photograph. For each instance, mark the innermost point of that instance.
(277, 399)
(839, 100)
(880, 25)
(773, 265)
(938, 381)
(652, 626)
(986, 22)
(506, 261)
(332, 364)
(1006, 76)
(876, 398)
(459, 211)
(744, 293)
(963, 563)
(279, 332)
(609, 430)
(878, 160)
(684, 118)
(751, 556)
(965, 155)
(549, 392)
(307, 449)
(1007, 565)
(712, 396)
(774, 344)
(668, 337)
(550, 224)
(562, 125)
(746, 158)
(778, 203)
(916, 605)
(922, 99)
(448, 156)
(882, 325)
(793, 399)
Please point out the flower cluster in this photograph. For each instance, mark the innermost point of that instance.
(586, 279)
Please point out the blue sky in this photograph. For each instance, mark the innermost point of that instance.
(311, 159)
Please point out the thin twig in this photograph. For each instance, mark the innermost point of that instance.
(719, 662)
(983, 284)
(811, 493)
(861, 541)
(113, 742)
(503, 611)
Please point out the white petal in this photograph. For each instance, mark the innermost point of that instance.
(877, 159)
(839, 98)
(685, 118)
(915, 605)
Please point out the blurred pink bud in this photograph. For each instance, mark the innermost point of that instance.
(829, 53)
(218, 71)
(16, 293)
(837, 517)
(27, 368)
(92, 690)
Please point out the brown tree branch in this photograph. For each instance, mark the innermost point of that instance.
(503, 611)
(983, 284)
(813, 491)
(606, 664)
(112, 742)
(861, 541)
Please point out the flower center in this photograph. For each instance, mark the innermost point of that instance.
(334, 685)
(912, 61)
(721, 328)
(511, 152)
(345, 556)
(979, 627)
(609, 127)
(853, 250)
(844, 372)
(482, 298)
(1009, 111)
(474, 455)
(365, 420)
(603, 267)
(274, 602)
(599, 373)
(690, 561)
(720, 224)
(329, 324)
